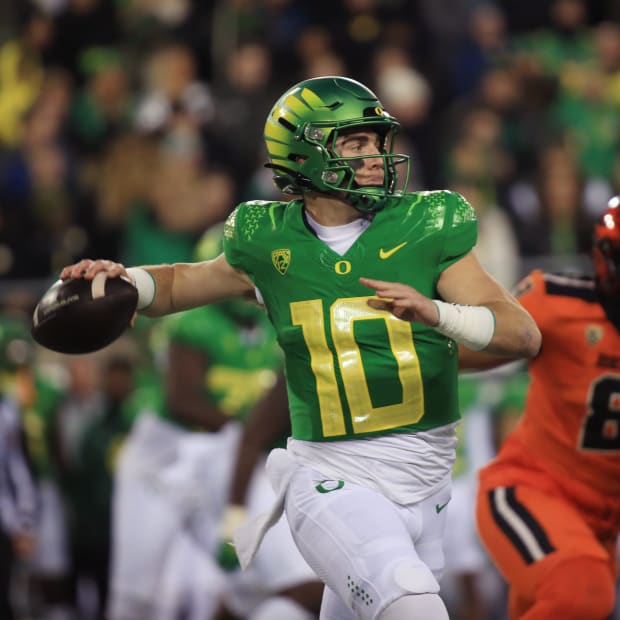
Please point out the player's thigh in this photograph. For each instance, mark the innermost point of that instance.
(278, 563)
(144, 523)
(191, 581)
(357, 542)
(140, 544)
(426, 522)
(529, 532)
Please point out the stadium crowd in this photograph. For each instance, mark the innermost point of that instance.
(129, 127)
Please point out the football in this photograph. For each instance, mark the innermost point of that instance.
(82, 316)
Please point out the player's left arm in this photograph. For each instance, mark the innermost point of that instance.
(515, 333)
(475, 310)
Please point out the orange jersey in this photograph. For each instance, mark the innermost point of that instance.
(571, 422)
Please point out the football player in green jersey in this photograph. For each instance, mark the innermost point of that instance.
(369, 288)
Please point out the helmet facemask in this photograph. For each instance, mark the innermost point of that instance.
(301, 132)
(339, 172)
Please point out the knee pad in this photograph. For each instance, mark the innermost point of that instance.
(575, 589)
(280, 608)
(416, 607)
(415, 578)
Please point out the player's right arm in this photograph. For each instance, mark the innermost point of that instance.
(177, 287)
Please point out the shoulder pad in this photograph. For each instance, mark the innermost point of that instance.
(258, 203)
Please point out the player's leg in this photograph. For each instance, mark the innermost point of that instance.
(191, 581)
(555, 566)
(278, 571)
(360, 544)
(144, 523)
(411, 606)
(426, 524)
(334, 608)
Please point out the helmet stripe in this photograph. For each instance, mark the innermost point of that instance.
(311, 98)
(278, 150)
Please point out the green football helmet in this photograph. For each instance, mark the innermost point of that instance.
(302, 129)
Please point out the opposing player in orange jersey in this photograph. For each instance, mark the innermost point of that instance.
(548, 506)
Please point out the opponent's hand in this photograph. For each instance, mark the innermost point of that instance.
(234, 516)
(403, 301)
(88, 269)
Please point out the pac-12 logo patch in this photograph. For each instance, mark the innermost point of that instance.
(281, 259)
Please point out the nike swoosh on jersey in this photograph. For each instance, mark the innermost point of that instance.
(383, 254)
(440, 507)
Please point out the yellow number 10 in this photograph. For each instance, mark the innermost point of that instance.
(364, 417)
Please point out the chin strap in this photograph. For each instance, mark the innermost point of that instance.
(290, 182)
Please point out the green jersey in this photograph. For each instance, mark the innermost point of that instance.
(244, 357)
(354, 371)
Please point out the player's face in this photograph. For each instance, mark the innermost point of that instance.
(357, 144)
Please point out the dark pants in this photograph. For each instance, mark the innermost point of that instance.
(6, 564)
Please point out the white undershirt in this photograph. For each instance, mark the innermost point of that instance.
(339, 238)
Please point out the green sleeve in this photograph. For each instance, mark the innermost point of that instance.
(231, 241)
(237, 240)
(461, 230)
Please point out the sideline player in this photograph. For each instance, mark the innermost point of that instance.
(175, 472)
(371, 364)
(548, 506)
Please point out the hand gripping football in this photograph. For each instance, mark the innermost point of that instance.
(82, 316)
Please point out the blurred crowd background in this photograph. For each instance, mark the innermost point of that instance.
(129, 127)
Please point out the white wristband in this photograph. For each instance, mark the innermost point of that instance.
(472, 326)
(145, 283)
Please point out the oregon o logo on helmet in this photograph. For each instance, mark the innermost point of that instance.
(379, 111)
